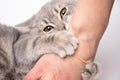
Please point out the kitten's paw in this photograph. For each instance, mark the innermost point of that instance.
(67, 43)
(91, 71)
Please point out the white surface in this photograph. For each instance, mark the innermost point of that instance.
(16, 11)
(109, 50)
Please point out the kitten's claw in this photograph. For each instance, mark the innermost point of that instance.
(67, 43)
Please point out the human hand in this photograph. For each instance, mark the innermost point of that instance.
(52, 67)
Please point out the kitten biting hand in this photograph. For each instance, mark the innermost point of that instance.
(55, 16)
(45, 32)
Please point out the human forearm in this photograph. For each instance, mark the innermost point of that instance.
(88, 23)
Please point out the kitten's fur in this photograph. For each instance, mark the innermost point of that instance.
(46, 33)
(8, 37)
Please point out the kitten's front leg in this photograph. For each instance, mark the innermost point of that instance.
(61, 43)
(66, 43)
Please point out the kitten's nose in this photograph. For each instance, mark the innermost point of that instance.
(62, 27)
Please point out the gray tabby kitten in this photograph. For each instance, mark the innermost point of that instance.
(55, 16)
(44, 33)
(20, 51)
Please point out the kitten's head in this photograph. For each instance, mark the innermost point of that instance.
(53, 16)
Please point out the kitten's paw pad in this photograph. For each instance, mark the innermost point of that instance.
(67, 42)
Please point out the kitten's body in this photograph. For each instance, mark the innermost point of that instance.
(8, 37)
(46, 34)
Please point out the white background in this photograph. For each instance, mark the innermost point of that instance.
(108, 55)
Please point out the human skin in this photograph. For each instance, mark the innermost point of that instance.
(88, 23)
(52, 67)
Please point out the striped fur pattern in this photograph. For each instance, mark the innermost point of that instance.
(45, 32)
(8, 36)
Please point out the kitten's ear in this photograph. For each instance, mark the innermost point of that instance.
(26, 23)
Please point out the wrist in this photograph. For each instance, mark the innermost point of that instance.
(88, 42)
(75, 62)
(86, 50)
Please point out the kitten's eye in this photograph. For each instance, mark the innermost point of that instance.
(48, 28)
(62, 12)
